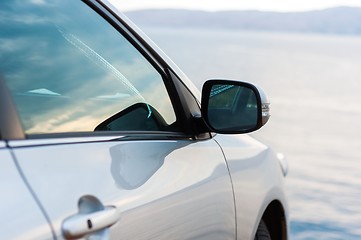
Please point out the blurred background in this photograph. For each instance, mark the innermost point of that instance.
(307, 56)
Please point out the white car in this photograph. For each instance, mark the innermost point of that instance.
(103, 137)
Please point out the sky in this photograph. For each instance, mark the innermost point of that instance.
(263, 5)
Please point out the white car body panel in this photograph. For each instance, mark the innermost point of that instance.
(171, 186)
(163, 189)
(27, 216)
(257, 179)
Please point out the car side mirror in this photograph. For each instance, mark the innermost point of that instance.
(233, 107)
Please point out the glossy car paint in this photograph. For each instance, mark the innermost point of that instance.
(21, 217)
(257, 179)
(163, 189)
(168, 189)
(247, 159)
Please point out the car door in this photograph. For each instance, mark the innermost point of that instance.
(21, 216)
(107, 145)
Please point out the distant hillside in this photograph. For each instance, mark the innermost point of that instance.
(340, 20)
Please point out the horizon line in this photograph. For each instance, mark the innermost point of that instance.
(236, 10)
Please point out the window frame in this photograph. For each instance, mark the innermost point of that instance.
(12, 129)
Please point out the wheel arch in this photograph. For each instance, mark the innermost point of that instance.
(275, 219)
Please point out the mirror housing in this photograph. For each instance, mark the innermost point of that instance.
(234, 107)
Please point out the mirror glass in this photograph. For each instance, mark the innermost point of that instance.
(232, 108)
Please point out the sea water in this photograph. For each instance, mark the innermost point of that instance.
(314, 84)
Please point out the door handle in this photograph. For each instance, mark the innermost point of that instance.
(81, 224)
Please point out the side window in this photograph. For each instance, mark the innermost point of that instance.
(69, 70)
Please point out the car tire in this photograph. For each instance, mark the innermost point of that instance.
(262, 232)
